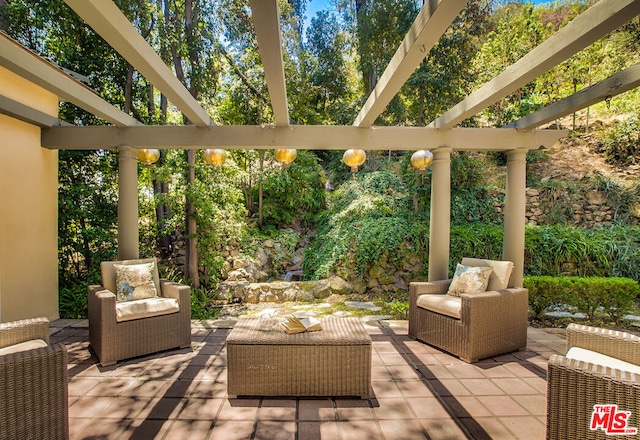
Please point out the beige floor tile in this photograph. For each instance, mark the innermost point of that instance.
(271, 430)
(403, 429)
(231, 430)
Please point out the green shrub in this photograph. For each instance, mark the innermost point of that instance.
(591, 296)
(370, 219)
(621, 144)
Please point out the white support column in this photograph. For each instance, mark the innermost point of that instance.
(128, 243)
(440, 216)
(514, 214)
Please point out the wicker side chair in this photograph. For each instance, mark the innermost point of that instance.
(113, 340)
(574, 386)
(486, 324)
(34, 402)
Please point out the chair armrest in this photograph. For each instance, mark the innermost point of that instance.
(101, 305)
(620, 345)
(429, 287)
(594, 370)
(49, 355)
(489, 305)
(171, 289)
(24, 330)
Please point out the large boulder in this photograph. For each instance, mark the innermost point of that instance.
(339, 286)
(319, 289)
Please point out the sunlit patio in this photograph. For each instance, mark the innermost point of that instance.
(418, 392)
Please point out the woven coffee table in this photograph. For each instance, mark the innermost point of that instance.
(335, 361)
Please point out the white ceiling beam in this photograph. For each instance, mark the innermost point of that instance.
(112, 25)
(616, 84)
(23, 62)
(266, 21)
(312, 137)
(596, 22)
(432, 21)
(27, 114)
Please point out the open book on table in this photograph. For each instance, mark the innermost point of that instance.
(294, 324)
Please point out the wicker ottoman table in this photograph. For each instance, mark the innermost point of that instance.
(335, 361)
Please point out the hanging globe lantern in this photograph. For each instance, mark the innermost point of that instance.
(285, 156)
(148, 156)
(354, 158)
(421, 160)
(215, 156)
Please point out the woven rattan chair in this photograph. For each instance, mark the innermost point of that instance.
(574, 386)
(33, 383)
(485, 324)
(113, 340)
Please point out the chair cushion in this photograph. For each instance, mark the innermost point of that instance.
(468, 279)
(145, 308)
(108, 270)
(444, 304)
(582, 354)
(500, 275)
(23, 346)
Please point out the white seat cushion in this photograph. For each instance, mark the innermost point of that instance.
(582, 354)
(145, 308)
(23, 346)
(499, 278)
(444, 304)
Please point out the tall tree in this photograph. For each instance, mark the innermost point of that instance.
(193, 56)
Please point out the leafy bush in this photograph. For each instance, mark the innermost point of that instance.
(368, 220)
(295, 193)
(590, 295)
(621, 144)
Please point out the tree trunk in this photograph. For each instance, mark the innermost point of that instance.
(192, 227)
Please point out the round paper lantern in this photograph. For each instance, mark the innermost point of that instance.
(148, 156)
(215, 156)
(354, 158)
(285, 156)
(421, 160)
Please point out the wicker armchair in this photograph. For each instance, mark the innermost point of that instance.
(33, 384)
(485, 324)
(113, 340)
(574, 386)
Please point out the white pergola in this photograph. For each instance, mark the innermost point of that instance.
(441, 136)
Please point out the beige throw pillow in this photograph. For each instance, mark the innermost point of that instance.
(469, 279)
(135, 281)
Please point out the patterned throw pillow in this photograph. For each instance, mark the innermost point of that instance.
(469, 279)
(135, 281)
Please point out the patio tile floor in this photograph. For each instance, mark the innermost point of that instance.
(419, 392)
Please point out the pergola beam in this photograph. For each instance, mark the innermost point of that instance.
(23, 62)
(321, 137)
(614, 85)
(27, 114)
(112, 25)
(432, 21)
(596, 22)
(266, 21)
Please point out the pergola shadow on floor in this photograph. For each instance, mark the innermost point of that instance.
(418, 392)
